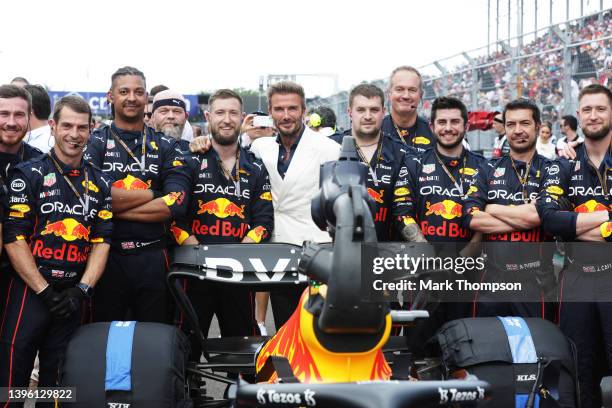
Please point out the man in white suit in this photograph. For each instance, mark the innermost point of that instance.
(293, 160)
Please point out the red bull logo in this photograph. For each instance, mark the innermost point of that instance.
(221, 208)
(65, 252)
(69, 229)
(266, 196)
(377, 196)
(219, 229)
(590, 206)
(172, 198)
(257, 234)
(447, 209)
(179, 234)
(132, 183)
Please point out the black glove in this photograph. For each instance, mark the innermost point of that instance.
(51, 298)
(70, 303)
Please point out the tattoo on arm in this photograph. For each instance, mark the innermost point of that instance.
(412, 233)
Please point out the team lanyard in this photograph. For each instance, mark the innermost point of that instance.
(450, 175)
(401, 133)
(367, 163)
(228, 174)
(603, 180)
(522, 180)
(143, 150)
(74, 190)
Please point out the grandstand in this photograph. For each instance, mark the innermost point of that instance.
(550, 69)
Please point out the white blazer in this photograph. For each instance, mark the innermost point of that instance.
(292, 195)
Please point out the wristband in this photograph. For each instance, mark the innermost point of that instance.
(42, 290)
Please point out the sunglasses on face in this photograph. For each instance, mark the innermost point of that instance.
(148, 115)
(498, 121)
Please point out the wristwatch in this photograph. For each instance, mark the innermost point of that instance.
(88, 291)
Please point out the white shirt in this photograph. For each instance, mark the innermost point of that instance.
(41, 138)
(563, 141)
(546, 149)
(187, 132)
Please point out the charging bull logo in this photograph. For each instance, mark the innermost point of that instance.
(376, 195)
(221, 208)
(173, 198)
(179, 234)
(590, 206)
(447, 209)
(69, 229)
(132, 183)
(257, 234)
(313, 365)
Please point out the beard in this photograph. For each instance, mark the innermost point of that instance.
(13, 140)
(597, 135)
(173, 130)
(224, 140)
(450, 145)
(297, 128)
(371, 135)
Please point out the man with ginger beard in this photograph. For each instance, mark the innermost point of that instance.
(292, 160)
(231, 203)
(149, 189)
(577, 208)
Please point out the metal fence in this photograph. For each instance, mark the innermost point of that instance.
(549, 66)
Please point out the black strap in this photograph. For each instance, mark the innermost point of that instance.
(280, 366)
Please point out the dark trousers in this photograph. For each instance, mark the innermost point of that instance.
(134, 282)
(234, 307)
(27, 328)
(530, 299)
(588, 325)
(284, 302)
